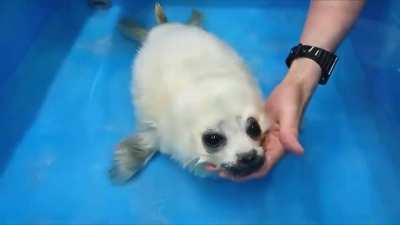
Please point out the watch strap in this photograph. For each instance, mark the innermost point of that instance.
(325, 59)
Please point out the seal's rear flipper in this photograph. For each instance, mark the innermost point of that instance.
(196, 19)
(131, 30)
(159, 14)
(131, 155)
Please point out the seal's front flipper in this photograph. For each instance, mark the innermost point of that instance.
(131, 30)
(131, 155)
(196, 19)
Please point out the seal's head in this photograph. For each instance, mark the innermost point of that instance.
(222, 130)
(222, 124)
(234, 145)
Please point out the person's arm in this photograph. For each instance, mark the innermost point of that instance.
(327, 23)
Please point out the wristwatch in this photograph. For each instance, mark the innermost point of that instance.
(325, 59)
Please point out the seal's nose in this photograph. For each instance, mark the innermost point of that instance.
(247, 157)
(246, 164)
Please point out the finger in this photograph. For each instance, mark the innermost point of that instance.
(289, 123)
(274, 150)
(211, 167)
(225, 175)
(290, 141)
(256, 175)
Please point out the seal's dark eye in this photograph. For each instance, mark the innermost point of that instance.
(213, 141)
(253, 128)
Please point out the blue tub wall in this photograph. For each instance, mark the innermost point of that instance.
(65, 104)
(24, 21)
(21, 21)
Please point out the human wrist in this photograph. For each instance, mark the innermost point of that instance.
(304, 73)
(303, 77)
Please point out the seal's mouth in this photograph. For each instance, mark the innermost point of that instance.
(242, 169)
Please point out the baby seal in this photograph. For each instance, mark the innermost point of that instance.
(195, 99)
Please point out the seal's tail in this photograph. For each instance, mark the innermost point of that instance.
(133, 31)
(159, 14)
(196, 19)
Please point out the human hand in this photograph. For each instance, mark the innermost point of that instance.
(288, 101)
(285, 107)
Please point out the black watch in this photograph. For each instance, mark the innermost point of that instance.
(325, 59)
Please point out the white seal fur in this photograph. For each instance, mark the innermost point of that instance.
(186, 84)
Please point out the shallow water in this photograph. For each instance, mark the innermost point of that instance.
(66, 104)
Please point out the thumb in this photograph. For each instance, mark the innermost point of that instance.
(288, 134)
(288, 130)
(290, 141)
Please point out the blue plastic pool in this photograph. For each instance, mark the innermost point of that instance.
(64, 104)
